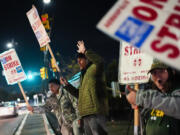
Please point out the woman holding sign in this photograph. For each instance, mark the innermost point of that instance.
(162, 102)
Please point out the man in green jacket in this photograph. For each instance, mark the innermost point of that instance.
(92, 93)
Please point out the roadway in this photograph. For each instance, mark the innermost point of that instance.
(9, 125)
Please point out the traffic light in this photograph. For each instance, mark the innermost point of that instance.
(43, 48)
(53, 65)
(44, 73)
(45, 21)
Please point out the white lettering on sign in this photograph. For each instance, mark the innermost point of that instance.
(116, 13)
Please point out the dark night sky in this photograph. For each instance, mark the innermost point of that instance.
(73, 20)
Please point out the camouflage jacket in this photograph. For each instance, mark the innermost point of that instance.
(65, 112)
(51, 104)
(63, 105)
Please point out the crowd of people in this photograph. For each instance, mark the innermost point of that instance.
(83, 110)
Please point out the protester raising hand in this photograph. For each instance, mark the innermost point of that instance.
(63, 81)
(92, 93)
(81, 47)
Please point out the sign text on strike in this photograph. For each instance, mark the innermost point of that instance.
(149, 14)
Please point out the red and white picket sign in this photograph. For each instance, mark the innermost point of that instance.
(13, 70)
(38, 27)
(133, 65)
(152, 25)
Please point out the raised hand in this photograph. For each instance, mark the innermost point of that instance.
(81, 47)
(63, 81)
(30, 108)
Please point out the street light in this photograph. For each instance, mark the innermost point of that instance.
(9, 45)
(46, 1)
(30, 76)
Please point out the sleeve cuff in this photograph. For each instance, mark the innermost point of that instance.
(138, 98)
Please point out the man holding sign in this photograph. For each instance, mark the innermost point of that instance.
(162, 101)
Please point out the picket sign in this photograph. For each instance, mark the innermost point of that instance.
(133, 65)
(152, 25)
(13, 70)
(38, 27)
(40, 31)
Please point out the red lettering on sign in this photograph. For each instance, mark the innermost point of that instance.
(144, 71)
(154, 3)
(155, 45)
(136, 51)
(137, 62)
(116, 14)
(145, 13)
(13, 71)
(165, 32)
(126, 51)
(130, 50)
(34, 15)
(171, 49)
(174, 20)
(177, 8)
(139, 78)
(11, 65)
(8, 58)
(36, 25)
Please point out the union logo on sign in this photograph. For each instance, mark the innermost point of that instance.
(19, 69)
(3, 60)
(134, 31)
